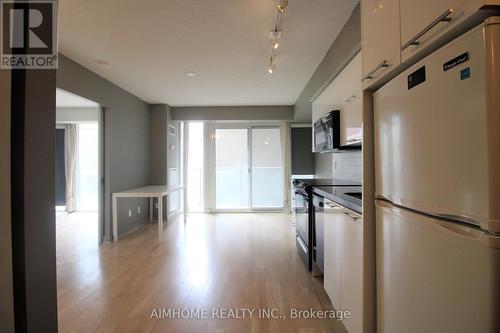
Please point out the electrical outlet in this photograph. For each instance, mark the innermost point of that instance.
(138, 209)
(130, 213)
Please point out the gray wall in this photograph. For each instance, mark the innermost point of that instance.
(158, 138)
(6, 304)
(343, 49)
(302, 155)
(160, 117)
(32, 194)
(210, 113)
(60, 171)
(127, 140)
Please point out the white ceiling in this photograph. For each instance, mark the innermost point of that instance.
(67, 100)
(149, 45)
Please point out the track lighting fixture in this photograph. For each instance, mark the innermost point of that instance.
(275, 34)
(272, 67)
(282, 4)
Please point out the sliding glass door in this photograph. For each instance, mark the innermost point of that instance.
(248, 168)
(231, 168)
(267, 168)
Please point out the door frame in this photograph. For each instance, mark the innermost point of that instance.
(101, 149)
(210, 163)
(101, 158)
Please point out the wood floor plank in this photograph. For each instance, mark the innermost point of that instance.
(231, 261)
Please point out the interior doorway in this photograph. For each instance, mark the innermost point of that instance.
(79, 165)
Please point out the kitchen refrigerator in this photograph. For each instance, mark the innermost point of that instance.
(437, 167)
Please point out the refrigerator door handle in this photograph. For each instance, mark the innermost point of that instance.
(453, 228)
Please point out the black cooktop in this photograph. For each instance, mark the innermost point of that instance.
(326, 182)
(347, 196)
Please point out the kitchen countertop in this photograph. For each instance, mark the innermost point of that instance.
(347, 196)
(327, 182)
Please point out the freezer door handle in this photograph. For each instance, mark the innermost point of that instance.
(454, 229)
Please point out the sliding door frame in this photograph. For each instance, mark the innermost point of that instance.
(210, 163)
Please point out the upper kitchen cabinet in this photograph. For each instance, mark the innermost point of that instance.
(380, 39)
(426, 21)
(344, 94)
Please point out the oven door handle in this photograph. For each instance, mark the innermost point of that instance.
(301, 194)
(302, 245)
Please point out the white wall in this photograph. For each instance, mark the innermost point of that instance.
(338, 95)
(344, 94)
(76, 115)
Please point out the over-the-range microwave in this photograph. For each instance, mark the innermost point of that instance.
(327, 132)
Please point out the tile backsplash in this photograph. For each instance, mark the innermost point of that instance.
(345, 166)
(348, 166)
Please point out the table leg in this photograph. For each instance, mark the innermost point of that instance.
(151, 212)
(160, 218)
(115, 219)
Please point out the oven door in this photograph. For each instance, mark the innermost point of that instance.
(302, 224)
(301, 212)
(318, 234)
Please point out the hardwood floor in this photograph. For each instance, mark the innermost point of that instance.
(230, 261)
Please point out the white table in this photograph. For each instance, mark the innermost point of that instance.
(151, 192)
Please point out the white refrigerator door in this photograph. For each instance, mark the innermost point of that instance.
(434, 276)
(433, 142)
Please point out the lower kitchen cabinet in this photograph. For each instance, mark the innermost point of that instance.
(343, 266)
(332, 274)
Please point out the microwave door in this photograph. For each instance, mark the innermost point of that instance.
(329, 137)
(320, 138)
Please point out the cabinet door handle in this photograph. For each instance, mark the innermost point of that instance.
(333, 206)
(369, 75)
(353, 217)
(442, 18)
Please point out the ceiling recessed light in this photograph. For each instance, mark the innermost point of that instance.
(190, 73)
